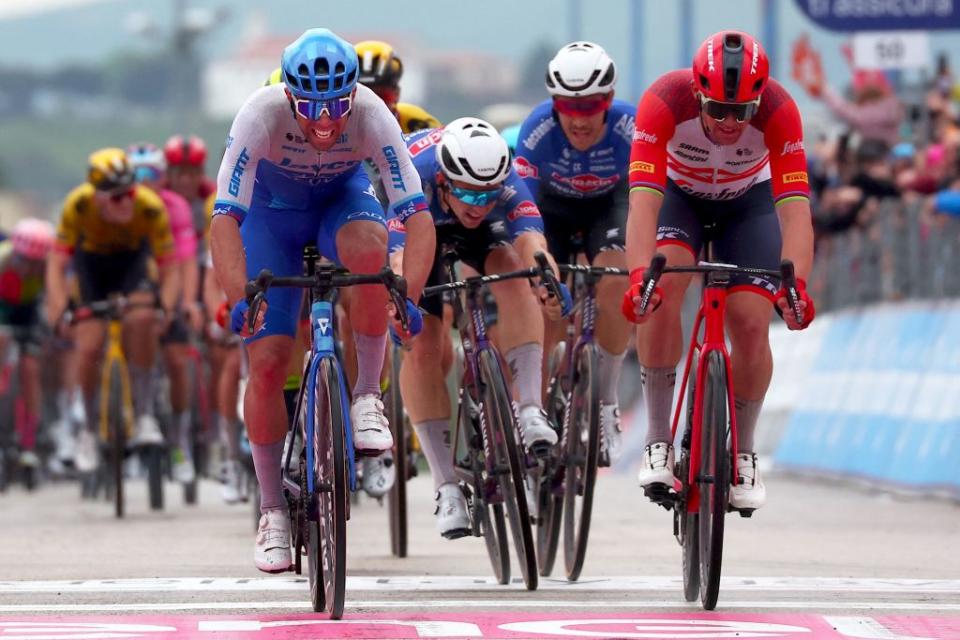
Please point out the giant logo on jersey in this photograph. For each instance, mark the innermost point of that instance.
(426, 142)
(393, 162)
(585, 182)
(526, 209)
(525, 169)
(238, 169)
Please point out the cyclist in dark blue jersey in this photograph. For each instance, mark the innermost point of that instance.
(482, 208)
(573, 153)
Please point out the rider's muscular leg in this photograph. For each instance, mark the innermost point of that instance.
(362, 247)
(266, 414)
(30, 388)
(175, 360)
(140, 347)
(748, 325)
(88, 337)
(613, 330)
(553, 332)
(426, 400)
(660, 346)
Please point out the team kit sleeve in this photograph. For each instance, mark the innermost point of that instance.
(525, 162)
(654, 125)
(68, 226)
(522, 213)
(783, 136)
(247, 144)
(159, 231)
(384, 146)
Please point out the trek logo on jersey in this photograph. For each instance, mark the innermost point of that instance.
(642, 136)
(238, 169)
(395, 226)
(795, 176)
(792, 147)
(425, 142)
(524, 169)
(645, 167)
(586, 182)
(393, 162)
(526, 209)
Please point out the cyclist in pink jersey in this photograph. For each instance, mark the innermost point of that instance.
(149, 165)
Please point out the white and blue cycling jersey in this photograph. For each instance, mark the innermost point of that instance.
(549, 165)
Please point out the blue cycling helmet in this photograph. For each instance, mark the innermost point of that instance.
(319, 65)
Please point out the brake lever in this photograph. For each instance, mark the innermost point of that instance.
(650, 278)
(789, 278)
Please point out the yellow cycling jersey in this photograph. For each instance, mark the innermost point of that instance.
(82, 227)
(413, 118)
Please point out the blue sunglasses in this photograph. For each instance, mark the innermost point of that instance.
(475, 198)
(334, 108)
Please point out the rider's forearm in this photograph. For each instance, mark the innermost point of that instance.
(642, 228)
(212, 294)
(418, 252)
(169, 286)
(56, 282)
(229, 259)
(796, 227)
(190, 272)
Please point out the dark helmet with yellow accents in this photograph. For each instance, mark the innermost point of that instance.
(379, 65)
(109, 169)
(274, 78)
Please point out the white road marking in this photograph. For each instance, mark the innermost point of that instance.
(868, 628)
(304, 605)
(482, 583)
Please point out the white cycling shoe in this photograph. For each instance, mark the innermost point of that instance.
(748, 492)
(538, 435)
(182, 468)
(230, 491)
(610, 423)
(87, 452)
(656, 466)
(146, 431)
(371, 431)
(452, 519)
(379, 474)
(271, 552)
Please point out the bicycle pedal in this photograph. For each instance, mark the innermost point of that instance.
(661, 494)
(369, 453)
(453, 534)
(540, 450)
(744, 513)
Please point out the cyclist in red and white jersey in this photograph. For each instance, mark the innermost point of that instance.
(717, 155)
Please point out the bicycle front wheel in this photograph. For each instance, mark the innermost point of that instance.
(117, 430)
(398, 494)
(714, 480)
(687, 522)
(583, 451)
(511, 471)
(549, 504)
(327, 525)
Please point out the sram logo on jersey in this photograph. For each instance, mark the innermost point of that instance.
(393, 162)
(237, 174)
(526, 209)
(524, 169)
(642, 136)
(795, 176)
(792, 147)
(425, 142)
(586, 182)
(639, 165)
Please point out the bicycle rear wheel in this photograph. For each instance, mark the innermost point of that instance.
(327, 525)
(117, 429)
(511, 471)
(714, 478)
(550, 505)
(583, 451)
(398, 494)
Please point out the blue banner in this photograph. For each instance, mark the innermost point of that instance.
(882, 15)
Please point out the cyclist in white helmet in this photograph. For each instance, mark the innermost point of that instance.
(481, 208)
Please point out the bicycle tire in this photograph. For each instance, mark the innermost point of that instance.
(499, 414)
(153, 460)
(328, 532)
(714, 478)
(397, 499)
(688, 523)
(581, 460)
(116, 423)
(549, 503)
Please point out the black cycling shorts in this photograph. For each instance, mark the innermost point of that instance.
(591, 225)
(745, 231)
(100, 275)
(24, 325)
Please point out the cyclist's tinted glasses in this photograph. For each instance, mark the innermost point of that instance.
(335, 108)
(475, 198)
(119, 195)
(582, 106)
(720, 111)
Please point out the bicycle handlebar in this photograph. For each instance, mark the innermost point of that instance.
(107, 308)
(477, 281)
(598, 271)
(396, 286)
(547, 276)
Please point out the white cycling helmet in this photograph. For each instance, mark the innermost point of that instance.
(472, 151)
(581, 69)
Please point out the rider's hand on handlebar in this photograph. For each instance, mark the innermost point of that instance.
(633, 295)
(238, 319)
(804, 305)
(554, 308)
(400, 337)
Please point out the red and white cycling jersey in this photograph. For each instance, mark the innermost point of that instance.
(669, 142)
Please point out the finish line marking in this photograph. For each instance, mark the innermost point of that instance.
(481, 583)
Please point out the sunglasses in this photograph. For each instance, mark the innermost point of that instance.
(475, 198)
(334, 108)
(119, 195)
(582, 106)
(720, 111)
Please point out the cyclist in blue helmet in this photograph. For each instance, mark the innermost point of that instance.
(293, 175)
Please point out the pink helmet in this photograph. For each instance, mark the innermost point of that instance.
(33, 238)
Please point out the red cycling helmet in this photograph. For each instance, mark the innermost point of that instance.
(731, 66)
(185, 150)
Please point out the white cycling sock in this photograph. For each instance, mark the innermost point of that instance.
(183, 439)
(525, 362)
(658, 384)
(434, 437)
(747, 412)
(370, 352)
(608, 374)
(266, 462)
(141, 387)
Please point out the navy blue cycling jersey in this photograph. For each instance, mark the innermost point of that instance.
(549, 164)
(515, 210)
